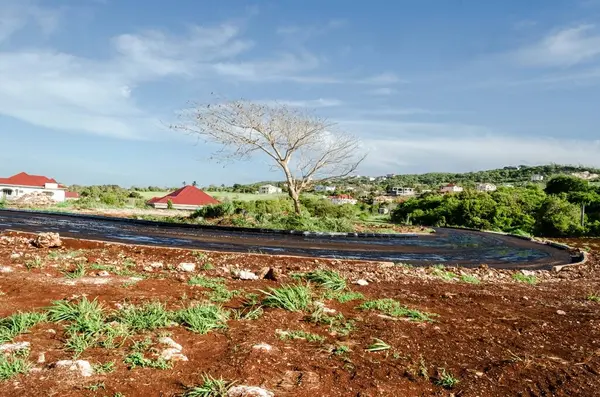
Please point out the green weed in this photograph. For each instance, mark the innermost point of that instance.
(293, 297)
(203, 318)
(343, 296)
(395, 309)
(78, 272)
(18, 323)
(34, 263)
(96, 386)
(593, 298)
(439, 271)
(378, 345)
(298, 334)
(210, 387)
(326, 278)
(446, 380)
(146, 317)
(520, 277)
(105, 368)
(12, 365)
(137, 359)
(470, 279)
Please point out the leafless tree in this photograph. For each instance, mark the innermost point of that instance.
(305, 147)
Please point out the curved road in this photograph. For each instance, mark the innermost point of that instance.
(447, 246)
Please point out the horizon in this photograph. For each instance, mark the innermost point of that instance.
(89, 86)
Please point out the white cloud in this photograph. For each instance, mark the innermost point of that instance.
(564, 48)
(310, 103)
(382, 79)
(14, 16)
(465, 151)
(382, 91)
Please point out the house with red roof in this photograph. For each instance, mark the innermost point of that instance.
(341, 199)
(18, 185)
(186, 198)
(451, 188)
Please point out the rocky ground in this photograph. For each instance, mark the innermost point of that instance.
(83, 318)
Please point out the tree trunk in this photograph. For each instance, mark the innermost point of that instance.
(583, 215)
(292, 188)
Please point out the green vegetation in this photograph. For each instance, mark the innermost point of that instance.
(18, 323)
(393, 308)
(78, 272)
(553, 212)
(219, 293)
(343, 296)
(105, 368)
(146, 317)
(378, 346)
(593, 298)
(326, 278)
(34, 263)
(299, 334)
(446, 380)
(439, 271)
(337, 324)
(210, 387)
(137, 359)
(203, 318)
(470, 279)
(12, 365)
(295, 297)
(520, 277)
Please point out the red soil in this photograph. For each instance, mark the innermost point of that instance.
(498, 338)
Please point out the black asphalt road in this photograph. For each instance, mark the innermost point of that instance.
(446, 246)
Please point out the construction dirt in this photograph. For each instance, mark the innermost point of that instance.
(453, 332)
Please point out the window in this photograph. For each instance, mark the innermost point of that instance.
(49, 194)
(7, 192)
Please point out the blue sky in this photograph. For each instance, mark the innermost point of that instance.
(87, 87)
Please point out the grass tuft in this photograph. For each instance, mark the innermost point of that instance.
(18, 323)
(203, 318)
(593, 298)
(12, 365)
(299, 334)
(521, 278)
(326, 278)
(469, 279)
(446, 380)
(147, 317)
(344, 296)
(210, 387)
(294, 297)
(441, 272)
(395, 309)
(137, 359)
(378, 346)
(78, 272)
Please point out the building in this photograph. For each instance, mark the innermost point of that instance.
(22, 184)
(402, 191)
(323, 188)
(451, 188)
(269, 189)
(343, 199)
(186, 198)
(486, 187)
(537, 178)
(71, 196)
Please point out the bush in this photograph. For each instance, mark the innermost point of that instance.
(214, 211)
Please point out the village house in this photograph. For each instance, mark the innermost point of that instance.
(22, 184)
(343, 199)
(402, 191)
(486, 187)
(451, 188)
(323, 188)
(186, 198)
(537, 178)
(269, 189)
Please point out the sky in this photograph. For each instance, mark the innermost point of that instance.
(88, 88)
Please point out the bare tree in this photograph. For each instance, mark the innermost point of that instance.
(305, 147)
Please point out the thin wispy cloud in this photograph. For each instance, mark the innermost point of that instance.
(563, 48)
(382, 91)
(382, 79)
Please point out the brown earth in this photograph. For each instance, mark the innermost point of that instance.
(498, 338)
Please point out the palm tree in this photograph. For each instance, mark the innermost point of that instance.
(184, 183)
(194, 184)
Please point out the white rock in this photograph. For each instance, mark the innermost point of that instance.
(561, 312)
(83, 367)
(361, 282)
(103, 273)
(6, 269)
(528, 272)
(246, 275)
(15, 256)
(186, 267)
(14, 347)
(249, 391)
(156, 265)
(41, 358)
(172, 354)
(263, 347)
(324, 308)
(165, 340)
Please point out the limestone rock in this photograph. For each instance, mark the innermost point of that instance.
(47, 240)
(14, 347)
(245, 275)
(361, 282)
(172, 354)
(84, 368)
(186, 267)
(263, 347)
(165, 340)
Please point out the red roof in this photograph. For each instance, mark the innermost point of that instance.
(187, 195)
(24, 179)
(343, 196)
(71, 195)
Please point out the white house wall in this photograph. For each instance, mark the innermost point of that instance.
(58, 194)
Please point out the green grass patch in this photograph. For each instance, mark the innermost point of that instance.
(522, 278)
(203, 318)
(446, 380)
(470, 279)
(378, 345)
(299, 334)
(292, 297)
(78, 272)
(336, 324)
(343, 296)
(146, 317)
(138, 360)
(393, 308)
(105, 368)
(210, 387)
(219, 292)
(12, 365)
(18, 323)
(207, 282)
(34, 263)
(440, 272)
(326, 278)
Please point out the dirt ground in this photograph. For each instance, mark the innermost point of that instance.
(497, 337)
